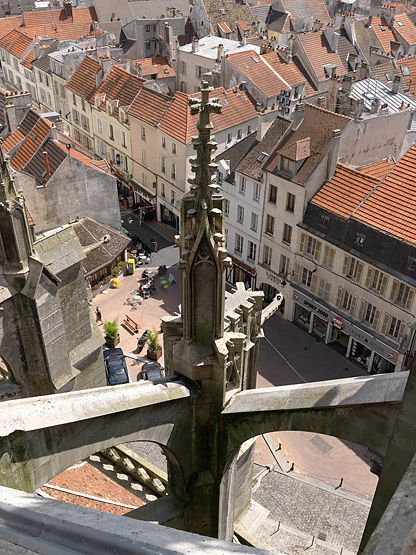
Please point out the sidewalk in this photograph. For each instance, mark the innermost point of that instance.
(163, 234)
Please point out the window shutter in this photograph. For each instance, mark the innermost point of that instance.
(363, 307)
(302, 242)
(296, 273)
(376, 320)
(314, 283)
(347, 260)
(409, 301)
(318, 251)
(353, 305)
(339, 297)
(327, 290)
(331, 256)
(360, 268)
(369, 278)
(393, 294)
(402, 331)
(386, 324)
(383, 287)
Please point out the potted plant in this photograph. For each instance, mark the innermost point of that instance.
(154, 350)
(111, 335)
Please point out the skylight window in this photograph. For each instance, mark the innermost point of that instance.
(405, 70)
(400, 23)
(263, 157)
(382, 27)
(389, 76)
(255, 59)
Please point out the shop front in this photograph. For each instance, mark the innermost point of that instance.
(348, 338)
(240, 272)
(270, 283)
(168, 217)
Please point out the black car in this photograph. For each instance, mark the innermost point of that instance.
(115, 367)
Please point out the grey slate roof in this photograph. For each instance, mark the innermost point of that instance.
(260, 13)
(36, 167)
(250, 165)
(276, 20)
(42, 63)
(345, 48)
(237, 152)
(28, 122)
(90, 231)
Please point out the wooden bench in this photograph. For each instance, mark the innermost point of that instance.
(130, 324)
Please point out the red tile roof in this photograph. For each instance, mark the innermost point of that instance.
(15, 42)
(12, 140)
(388, 205)
(379, 170)
(259, 72)
(7, 24)
(31, 143)
(405, 28)
(410, 79)
(149, 106)
(84, 80)
(120, 85)
(384, 34)
(224, 28)
(154, 66)
(180, 124)
(343, 193)
(52, 17)
(87, 160)
(318, 53)
(59, 31)
(289, 72)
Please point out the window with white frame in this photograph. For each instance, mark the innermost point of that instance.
(284, 265)
(393, 327)
(239, 241)
(74, 99)
(248, 129)
(110, 132)
(267, 255)
(163, 142)
(143, 157)
(227, 207)
(172, 197)
(329, 256)
(254, 221)
(243, 185)
(162, 190)
(126, 164)
(377, 281)
(123, 139)
(402, 295)
(240, 214)
(371, 315)
(348, 302)
(163, 164)
(352, 268)
(251, 251)
(99, 126)
(272, 194)
(173, 170)
(256, 191)
(324, 289)
(229, 138)
(306, 277)
(239, 134)
(287, 234)
(173, 148)
(269, 224)
(310, 246)
(143, 133)
(290, 202)
(82, 104)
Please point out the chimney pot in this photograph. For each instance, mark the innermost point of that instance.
(47, 166)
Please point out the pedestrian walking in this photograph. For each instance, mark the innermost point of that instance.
(98, 316)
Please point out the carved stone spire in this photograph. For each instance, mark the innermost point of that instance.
(203, 257)
(15, 239)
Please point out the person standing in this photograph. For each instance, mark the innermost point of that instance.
(98, 316)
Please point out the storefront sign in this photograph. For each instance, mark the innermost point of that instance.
(316, 309)
(337, 322)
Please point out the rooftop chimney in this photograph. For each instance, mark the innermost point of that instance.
(243, 41)
(220, 52)
(346, 84)
(397, 81)
(333, 154)
(68, 8)
(47, 166)
(11, 116)
(363, 71)
(195, 45)
(298, 115)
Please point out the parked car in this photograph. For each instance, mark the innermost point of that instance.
(115, 367)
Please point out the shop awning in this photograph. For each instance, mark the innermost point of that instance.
(245, 267)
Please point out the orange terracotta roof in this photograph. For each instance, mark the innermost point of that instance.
(31, 143)
(405, 28)
(29, 217)
(243, 26)
(149, 106)
(259, 72)
(15, 42)
(180, 124)
(391, 206)
(319, 54)
(60, 31)
(289, 72)
(343, 193)
(84, 80)
(120, 85)
(379, 170)
(224, 28)
(384, 34)
(7, 24)
(97, 164)
(12, 140)
(51, 17)
(410, 79)
(154, 66)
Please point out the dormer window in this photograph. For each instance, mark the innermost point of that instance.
(287, 166)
